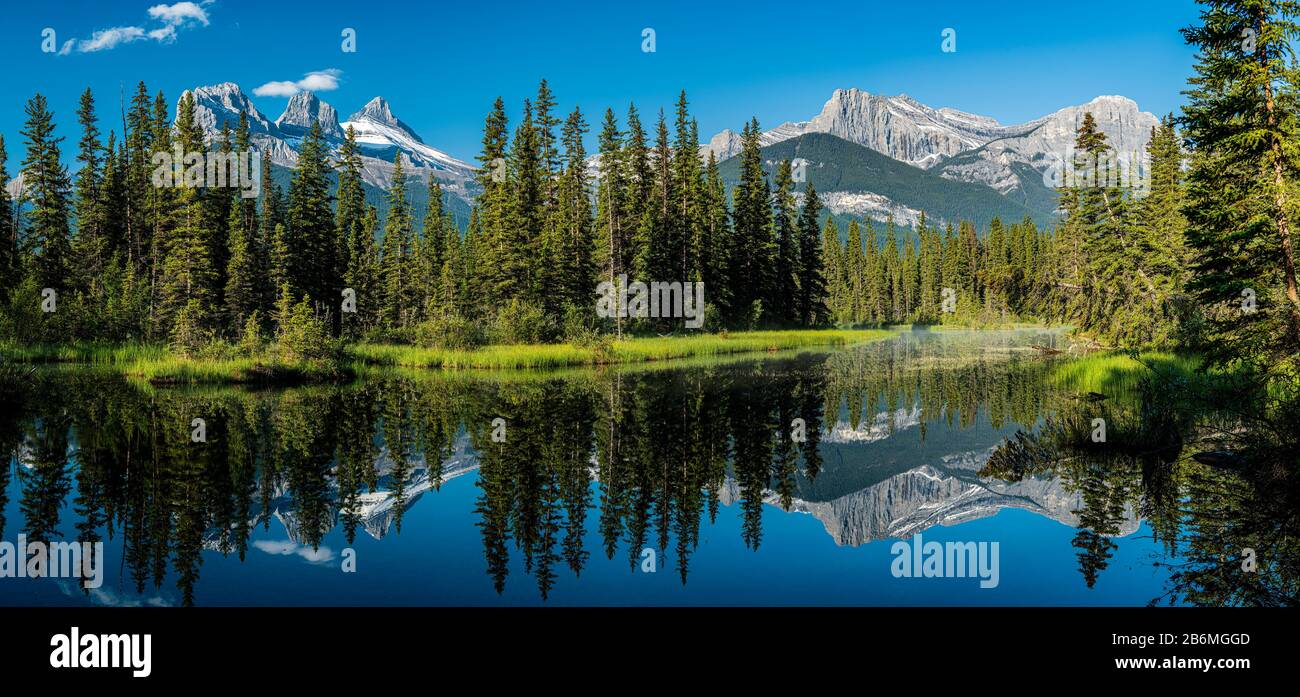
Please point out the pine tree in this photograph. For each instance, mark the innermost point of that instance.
(430, 250)
(1161, 232)
(311, 227)
(783, 301)
(187, 272)
(1241, 122)
(8, 230)
(492, 214)
(855, 270)
(574, 220)
(138, 141)
(611, 233)
(812, 279)
(395, 264)
(46, 182)
(89, 248)
(363, 277)
(688, 189)
(270, 215)
(753, 254)
(241, 291)
(833, 265)
(521, 243)
(715, 245)
(114, 202)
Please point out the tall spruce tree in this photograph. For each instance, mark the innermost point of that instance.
(8, 230)
(46, 185)
(89, 247)
(1241, 122)
(753, 253)
(395, 264)
(812, 279)
(783, 298)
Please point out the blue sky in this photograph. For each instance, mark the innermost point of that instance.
(441, 64)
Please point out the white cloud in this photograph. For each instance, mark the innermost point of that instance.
(287, 547)
(105, 39)
(164, 35)
(172, 18)
(179, 13)
(277, 89)
(316, 81)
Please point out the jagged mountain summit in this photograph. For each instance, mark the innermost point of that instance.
(898, 126)
(303, 110)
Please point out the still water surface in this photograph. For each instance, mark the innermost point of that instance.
(683, 485)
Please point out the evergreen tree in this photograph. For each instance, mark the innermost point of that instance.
(753, 254)
(1241, 122)
(812, 279)
(492, 214)
(715, 245)
(611, 233)
(241, 291)
(783, 302)
(430, 250)
(395, 264)
(89, 247)
(46, 183)
(310, 225)
(8, 230)
(574, 220)
(187, 272)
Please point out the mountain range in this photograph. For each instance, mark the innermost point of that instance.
(380, 136)
(1014, 161)
(868, 155)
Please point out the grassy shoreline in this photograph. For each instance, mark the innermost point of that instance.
(157, 364)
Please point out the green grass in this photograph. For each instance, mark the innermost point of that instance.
(635, 350)
(1118, 373)
(158, 365)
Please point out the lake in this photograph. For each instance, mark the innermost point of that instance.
(873, 475)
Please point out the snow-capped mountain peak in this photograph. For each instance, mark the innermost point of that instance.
(378, 112)
(381, 135)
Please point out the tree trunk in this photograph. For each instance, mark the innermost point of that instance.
(1280, 203)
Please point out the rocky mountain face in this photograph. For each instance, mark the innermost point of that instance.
(898, 126)
(1017, 161)
(947, 492)
(303, 110)
(1019, 165)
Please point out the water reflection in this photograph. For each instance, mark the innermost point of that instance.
(897, 437)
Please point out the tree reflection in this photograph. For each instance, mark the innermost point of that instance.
(636, 458)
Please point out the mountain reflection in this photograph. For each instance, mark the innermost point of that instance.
(897, 437)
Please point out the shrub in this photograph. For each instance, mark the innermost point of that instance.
(250, 341)
(302, 335)
(188, 335)
(448, 330)
(519, 323)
